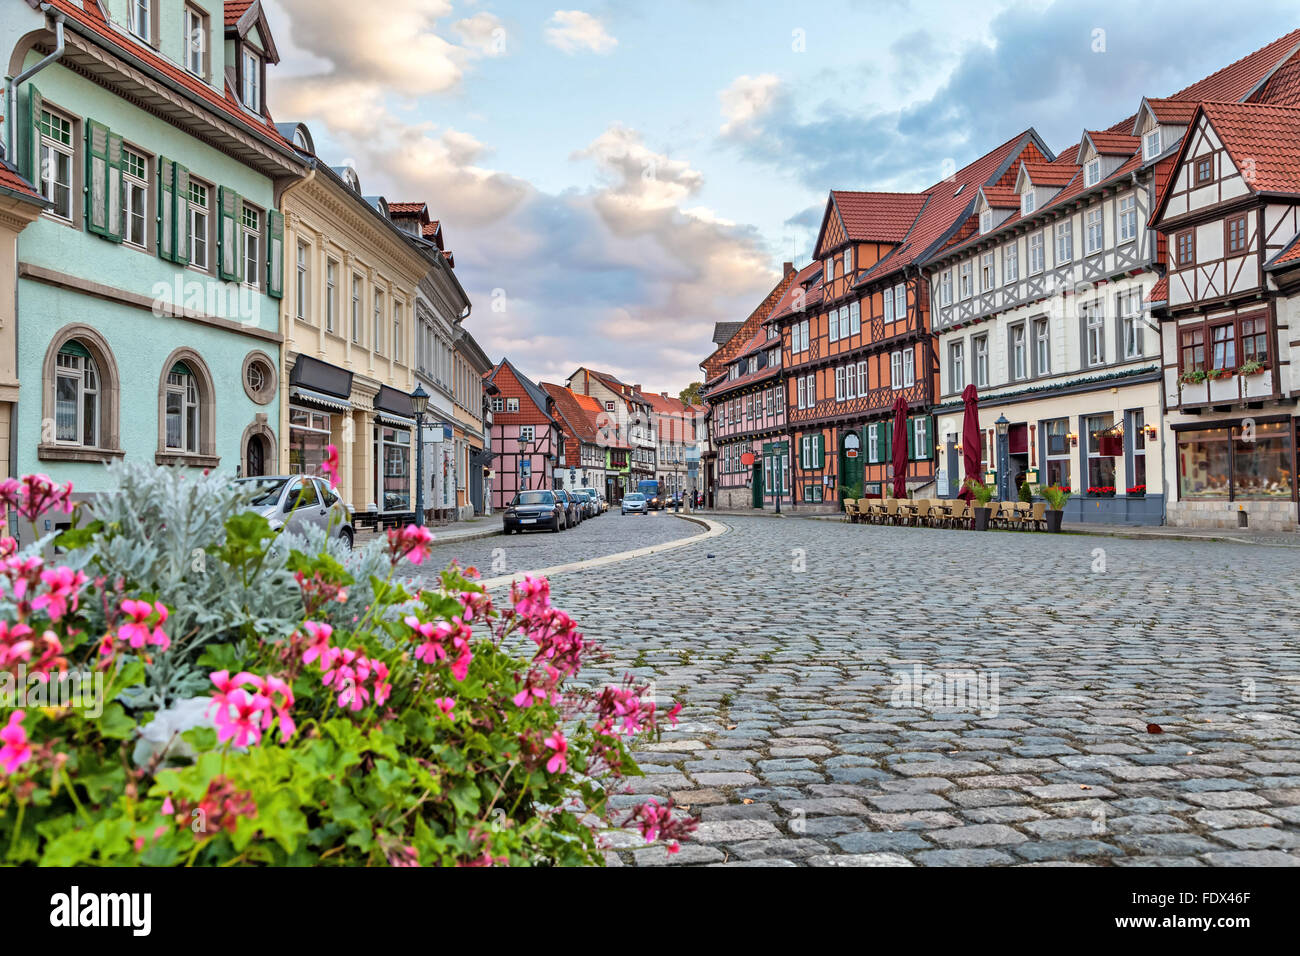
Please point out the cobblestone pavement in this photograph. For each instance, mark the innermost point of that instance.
(796, 646)
(608, 534)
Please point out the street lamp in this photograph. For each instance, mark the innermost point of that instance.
(1004, 458)
(419, 404)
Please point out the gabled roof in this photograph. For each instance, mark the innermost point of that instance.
(1238, 80)
(1166, 111)
(631, 393)
(1000, 197)
(1267, 136)
(1107, 143)
(535, 394)
(573, 417)
(876, 217)
(242, 15)
(420, 210)
(88, 20)
(1047, 174)
(1288, 258)
(723, 331)
(950, 202)
(809, 281)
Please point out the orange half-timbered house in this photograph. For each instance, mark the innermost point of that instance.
(527, 439)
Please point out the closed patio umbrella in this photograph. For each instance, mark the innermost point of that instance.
(972, 438)
(900, 447)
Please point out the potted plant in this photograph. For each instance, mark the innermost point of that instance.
(1056, 498)
(983, 495)
(1101, 491)
(1252, 367)
(1137, 491)
(1192, 376)
(1218, 373)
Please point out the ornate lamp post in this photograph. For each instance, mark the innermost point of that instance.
(1004, 457)
(419, 404)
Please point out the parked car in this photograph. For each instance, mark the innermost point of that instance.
(299, 501)
(635, 503)
(529, 510)
(571, 506)
(593, 502)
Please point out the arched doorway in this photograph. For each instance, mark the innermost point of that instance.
(255, 458)
(851, 465)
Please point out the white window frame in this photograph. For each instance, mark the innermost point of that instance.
(839, 384)
(1027, 202)
(848, 260)
(527, 433)
(251, 65)
(133, 186)
(956, 366)
(909, 366)
(1042, 335)
(1094, 232)
(1064, 241)
(855, 317)
(250, 245)
(512, 405)
(1130, 317)
(378, 303)
(896, 369)
(833, 325)
(50, 146)
(356, 309)
(194, 29)
(986, 221)
(1011, 262)
(82, 371)
(888, 296)
(1092, 172)
(1128, 217)
(1094, 325)
(945, 288)
(988, 272)
(331, 294)
(200, 224)
(303, 288)
(186, 389)
(140, 19)
(1037, 253)
(862, 378)
(1151, 143)
(980, 346)
(1019, 352)
(966, 279)
(900, 302)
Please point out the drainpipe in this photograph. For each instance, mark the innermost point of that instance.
(12, 84)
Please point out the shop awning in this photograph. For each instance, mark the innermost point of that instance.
(309, 396)
(319, 376)
(396, 421)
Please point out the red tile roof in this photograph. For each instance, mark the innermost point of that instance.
(1267, 137)
(1177, 112)
(235, 9)
(576, 421)
(12, 181)
(1236, 80)
(1289, 254)
(1050, 174)
(1108, 143)
(1001, 197)
(1159, 292)
(808, 278)
(408, 207)
(92, 19)
(877, 217)
(1283, 87)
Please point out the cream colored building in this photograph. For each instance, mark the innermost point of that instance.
(349, 344)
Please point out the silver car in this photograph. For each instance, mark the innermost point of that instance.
(299, 501)
(635, 503)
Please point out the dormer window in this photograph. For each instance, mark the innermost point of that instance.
(196, 41)
(300, 140)
(1092, 172)
(1151, 144)
(986, 220)
(252, 81)
(1027, 202)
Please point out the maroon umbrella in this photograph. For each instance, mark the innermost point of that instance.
(972, 438)
(900, 447)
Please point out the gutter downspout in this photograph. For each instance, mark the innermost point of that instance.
(12, 84)
(281, 194)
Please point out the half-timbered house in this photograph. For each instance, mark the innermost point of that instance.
(628, 418)
(1230, 313)
(526, 437)
(582, 463)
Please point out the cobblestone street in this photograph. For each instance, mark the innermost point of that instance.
(815, 732)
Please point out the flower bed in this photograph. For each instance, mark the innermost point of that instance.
(264, 698)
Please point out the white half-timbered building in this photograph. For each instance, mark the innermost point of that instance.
(1231, 320)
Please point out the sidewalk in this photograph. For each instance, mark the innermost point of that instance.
(481, 527)
(1276, 539)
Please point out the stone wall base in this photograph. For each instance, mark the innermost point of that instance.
(1260, 515)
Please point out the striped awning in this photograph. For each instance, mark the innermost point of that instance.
(308, 396)
(397, 421)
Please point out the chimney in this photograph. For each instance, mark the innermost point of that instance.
(786, 268)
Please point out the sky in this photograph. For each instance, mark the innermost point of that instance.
(614, 179)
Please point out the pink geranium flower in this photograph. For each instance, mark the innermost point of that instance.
(16, 750)
(558, 762)
(63, 586)
(144, 624)
(330, 466)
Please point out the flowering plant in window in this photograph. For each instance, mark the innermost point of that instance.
(1218, 373)
(1252, 367)
(1193, 376)
(1101, 491)
(415, 732)
(1137, 491)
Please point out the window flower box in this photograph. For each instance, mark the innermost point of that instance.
(1193, 376)
(1215, 374)
(1253, 367)
(1137, 491)
(1101, 491)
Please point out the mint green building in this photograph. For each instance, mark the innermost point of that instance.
(148, 293)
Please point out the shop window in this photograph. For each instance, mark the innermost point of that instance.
(1101, 468)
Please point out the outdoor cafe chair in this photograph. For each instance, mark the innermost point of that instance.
(1038, 516)
(850, 510)
(891, 511)
(921, 511)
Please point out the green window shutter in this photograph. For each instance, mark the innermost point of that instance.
(32, 154)
(888, 451)
(275, 253)
(929, 437)
(180, 212)
(821, 450)
(228, 211)
(911, 439)
(166, 209)
(103, 181)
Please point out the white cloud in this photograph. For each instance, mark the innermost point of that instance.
(746, 101)
(483, 33)
(574, 31)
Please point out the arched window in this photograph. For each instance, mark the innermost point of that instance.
(186, 412)
(76, 396)
(79, 398)
(182, 410)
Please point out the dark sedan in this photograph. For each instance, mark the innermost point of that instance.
(531, 510)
